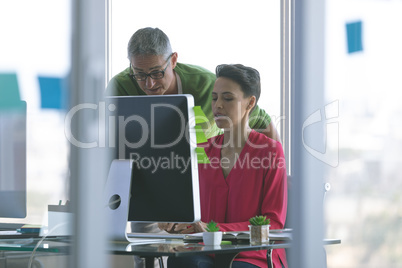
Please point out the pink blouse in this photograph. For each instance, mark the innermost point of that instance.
(256, 185)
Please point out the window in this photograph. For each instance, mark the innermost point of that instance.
(208, 33)
(363, 207)
(40, 49)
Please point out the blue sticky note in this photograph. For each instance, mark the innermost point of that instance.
(9, 91)
(52, 92)
(354, 36)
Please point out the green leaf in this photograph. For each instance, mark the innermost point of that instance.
(259, 220)
(212, 227)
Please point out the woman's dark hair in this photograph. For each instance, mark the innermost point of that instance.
(248, 78)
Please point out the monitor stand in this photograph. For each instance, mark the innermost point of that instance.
(117, 197)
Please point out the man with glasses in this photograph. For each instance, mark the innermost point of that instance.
(154, 70)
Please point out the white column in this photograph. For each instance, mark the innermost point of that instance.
(307, 132)
(88, 166)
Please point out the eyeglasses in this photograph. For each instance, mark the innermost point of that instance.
(154, 75)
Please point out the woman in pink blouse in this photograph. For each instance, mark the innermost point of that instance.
(247, 171)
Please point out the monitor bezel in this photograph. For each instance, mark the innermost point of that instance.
(189, 132)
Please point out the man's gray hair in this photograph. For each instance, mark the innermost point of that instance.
(149, 41)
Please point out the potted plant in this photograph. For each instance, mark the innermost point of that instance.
(259, 230)
(212, 236)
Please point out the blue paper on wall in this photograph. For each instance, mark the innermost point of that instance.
(9, 91)
(52, 92)
(354, 36)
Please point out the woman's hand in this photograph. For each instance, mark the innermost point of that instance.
(168, 227)
(196, 227)
(183, 228)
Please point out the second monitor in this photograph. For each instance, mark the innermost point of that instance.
(157, 134)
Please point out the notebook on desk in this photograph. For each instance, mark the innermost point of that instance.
(13, 234)
(18, 230)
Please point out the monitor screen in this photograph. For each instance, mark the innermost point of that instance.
(13, 162)
(156, 133)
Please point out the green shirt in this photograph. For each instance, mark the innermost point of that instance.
(196, 81)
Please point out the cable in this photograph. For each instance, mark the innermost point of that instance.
(40, 242)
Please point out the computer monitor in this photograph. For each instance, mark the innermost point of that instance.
(157, 134)
(13, 162)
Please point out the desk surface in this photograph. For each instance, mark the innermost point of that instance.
(54, 245)
(224, 253)
(166, 248)
(179, 248)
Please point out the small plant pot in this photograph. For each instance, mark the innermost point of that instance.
(259, 234)
(212, 238)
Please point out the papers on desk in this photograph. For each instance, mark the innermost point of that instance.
(274, 234)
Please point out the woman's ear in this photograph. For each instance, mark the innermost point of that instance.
(251, 103)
